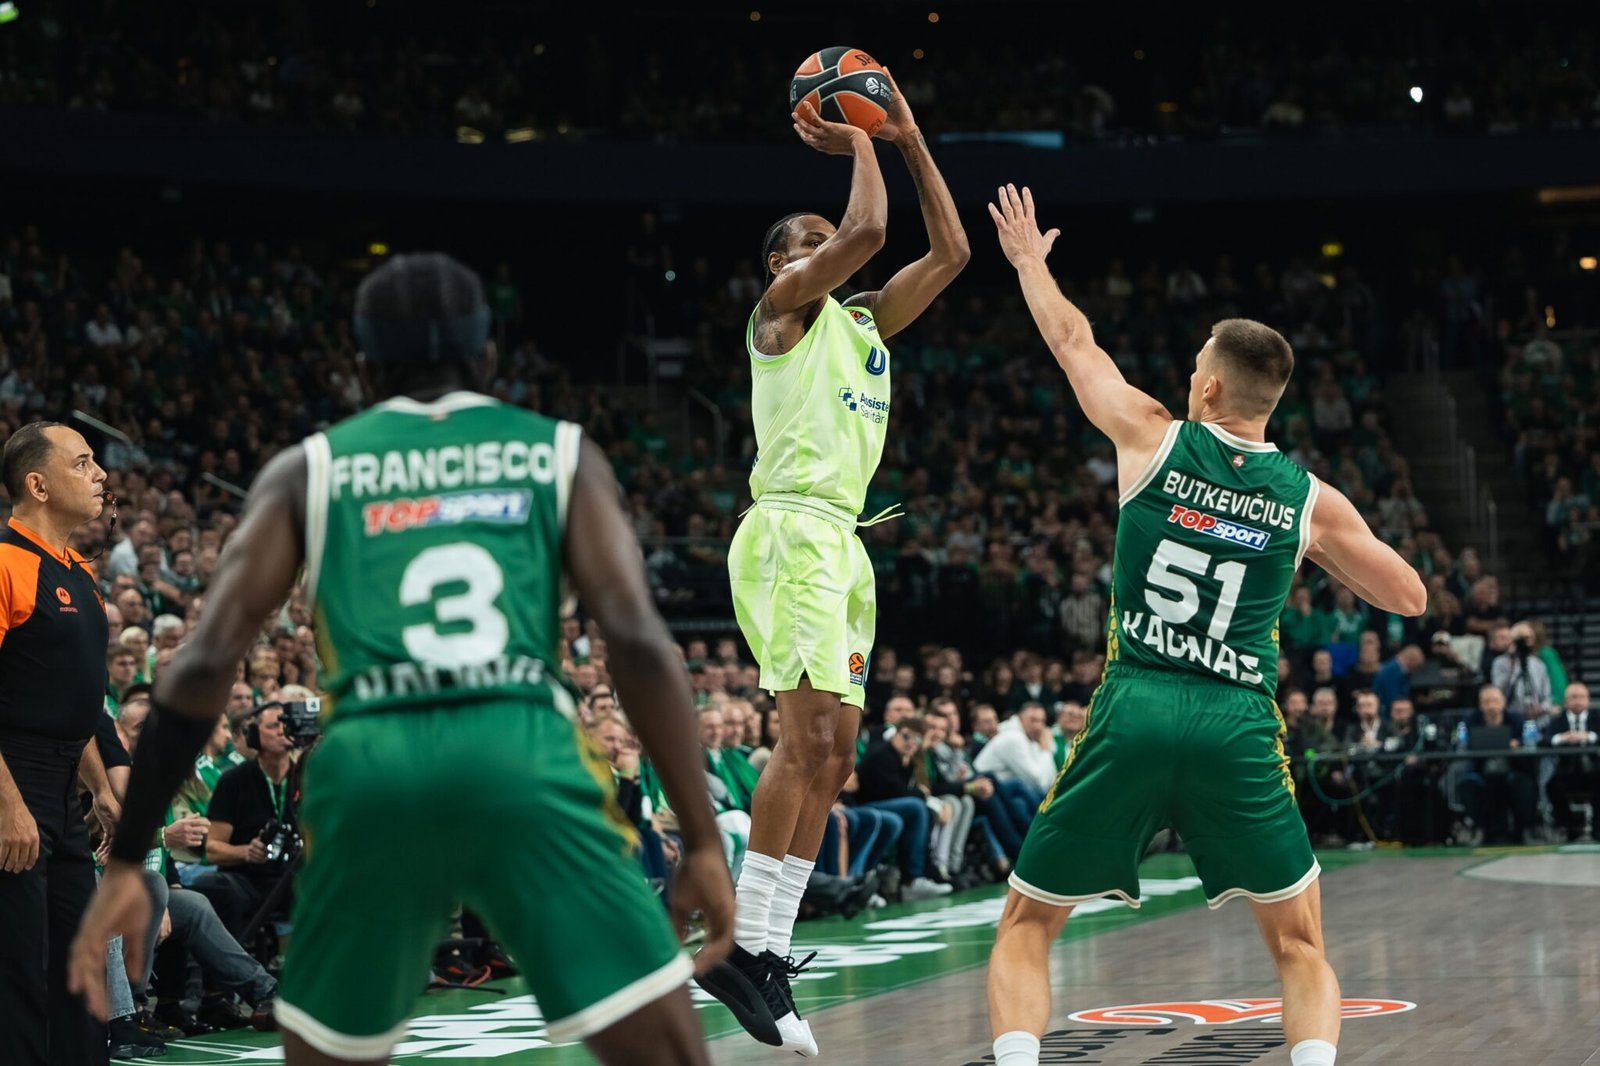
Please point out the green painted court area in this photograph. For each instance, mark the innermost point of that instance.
(877, 952)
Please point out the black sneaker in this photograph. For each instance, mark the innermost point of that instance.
(127, 1042)
(262, 1020)
(744, 984)
(784, 969)
(150, 1025)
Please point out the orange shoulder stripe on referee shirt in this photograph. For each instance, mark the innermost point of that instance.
(19, 586)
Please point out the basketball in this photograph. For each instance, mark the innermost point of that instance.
(844, 85)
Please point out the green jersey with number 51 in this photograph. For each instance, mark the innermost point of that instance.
(1208, 542)
(433, 552)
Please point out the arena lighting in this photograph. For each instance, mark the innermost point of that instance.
(933, 16)
(377, 248)
(1168, 107)
(1588, 262)
(1549, 316)
(468, 135)
(1570, 194)
(755, 16)
(9, 12)
(917, 53)
(1416, 94)
(1332, 250)
(519, 136)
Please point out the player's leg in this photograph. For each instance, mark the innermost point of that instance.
(1235, 808)
(1019, 977)
(664, 1031)
(1292, 929)
(1085, 843)
(382, 802)
(297, 1052)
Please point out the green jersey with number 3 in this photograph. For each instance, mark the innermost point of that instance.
(1208, 542)
(433, 552)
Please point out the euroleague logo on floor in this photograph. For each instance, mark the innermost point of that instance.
(1223, 1012)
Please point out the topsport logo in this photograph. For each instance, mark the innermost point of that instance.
(508, 507)
(1224, 1012)
(1221, 528)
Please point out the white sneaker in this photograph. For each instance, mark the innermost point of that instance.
(924, 888)
(876, 902)
(796, 1033)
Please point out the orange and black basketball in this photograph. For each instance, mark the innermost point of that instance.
(844, 85)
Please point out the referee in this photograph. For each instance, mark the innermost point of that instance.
(53, 636)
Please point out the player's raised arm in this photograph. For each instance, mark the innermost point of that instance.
(1132, 419)
(1343, 545)
(915, 286)
(860, 234)
(603, 558)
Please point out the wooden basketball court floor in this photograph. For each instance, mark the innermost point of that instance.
(1499, 954)
(1446, 958)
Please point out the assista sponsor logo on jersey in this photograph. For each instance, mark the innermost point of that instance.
(1221, 528)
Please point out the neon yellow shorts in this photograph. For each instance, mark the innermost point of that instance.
(806, 601)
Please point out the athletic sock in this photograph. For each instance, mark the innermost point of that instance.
(1018, 1048)
(786, 903)
(1312, 1053)
(752, 910)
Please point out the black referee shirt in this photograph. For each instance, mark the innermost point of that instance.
(53, 635)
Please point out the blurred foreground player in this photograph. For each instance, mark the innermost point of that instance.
(1183, 730)
(803, 587)
(452, 769)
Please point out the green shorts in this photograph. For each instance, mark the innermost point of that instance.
(806, 600)
(503, 807)
(1168, 749)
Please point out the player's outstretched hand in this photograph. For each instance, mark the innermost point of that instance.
(830, 138)
(703, 884)
(900, 122)
(121, 906)
(1020, 238)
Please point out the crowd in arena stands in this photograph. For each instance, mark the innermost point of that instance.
(1549, 394)
(1493, 69)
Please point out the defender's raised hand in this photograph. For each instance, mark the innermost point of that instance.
(1020, 238)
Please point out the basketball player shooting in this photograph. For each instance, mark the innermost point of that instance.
(1183, 730)
(803, 587)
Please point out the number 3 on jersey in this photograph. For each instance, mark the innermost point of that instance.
(487, 629)
(1167, 569)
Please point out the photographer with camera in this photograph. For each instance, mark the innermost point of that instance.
(252, 838)
(1523, 677)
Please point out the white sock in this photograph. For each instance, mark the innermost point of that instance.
(1312, 1053)
(752, 910)
(786, 903)
(1018, 1048)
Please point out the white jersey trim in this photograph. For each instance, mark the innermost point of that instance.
(319, 464)
(1279, 896)
(1305, 519)
(568, 436)
(626, 1000)
(1154, 465)
(459, 400)
(1233, 440)
(333, 1043)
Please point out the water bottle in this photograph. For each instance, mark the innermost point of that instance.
(1461, 735)
(1530, 733)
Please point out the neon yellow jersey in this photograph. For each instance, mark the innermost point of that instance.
(821, 410)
